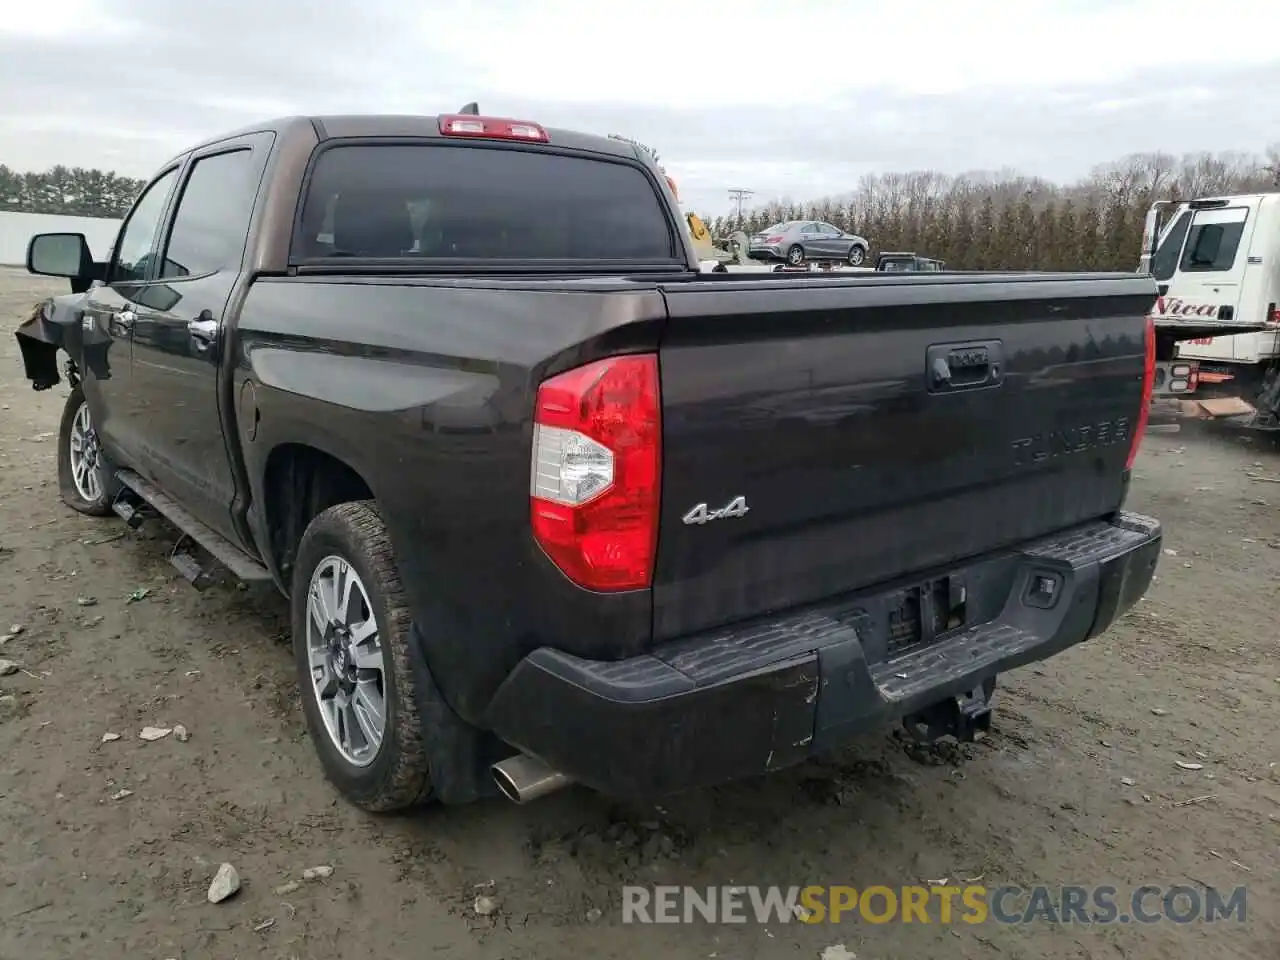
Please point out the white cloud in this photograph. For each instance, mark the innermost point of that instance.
(694, 52)
(54, 20)
(787, 98)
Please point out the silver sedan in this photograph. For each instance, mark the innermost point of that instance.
(799, 240)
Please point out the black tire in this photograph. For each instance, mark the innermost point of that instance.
(856, 256)
(398, 777)
(795, 255)
(99, 506)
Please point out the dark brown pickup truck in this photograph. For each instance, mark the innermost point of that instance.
(552, 506)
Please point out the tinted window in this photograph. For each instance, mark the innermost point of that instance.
(1166, 258)
(139, 237)
(443, 201)
(1214, 240)
(213, 214)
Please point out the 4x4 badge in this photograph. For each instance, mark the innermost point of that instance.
(737, 507)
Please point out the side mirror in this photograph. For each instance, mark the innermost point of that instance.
(59, 255)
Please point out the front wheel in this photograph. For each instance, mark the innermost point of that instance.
(856, 256)
(351, 645)
(795, 255)
(86, 477)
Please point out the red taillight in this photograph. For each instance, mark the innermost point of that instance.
(772, 240)
(1273, 315)
(596, 473)
(1148, 385)
(492, 128)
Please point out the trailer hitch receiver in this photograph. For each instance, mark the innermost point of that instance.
(966, 717)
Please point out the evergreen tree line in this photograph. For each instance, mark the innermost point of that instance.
(1005, 221)
(69, 191)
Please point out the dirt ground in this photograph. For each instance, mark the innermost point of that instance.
(1078, 783)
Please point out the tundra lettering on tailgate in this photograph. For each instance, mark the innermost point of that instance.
(1068, 440)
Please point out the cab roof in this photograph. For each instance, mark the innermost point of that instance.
(345, 126)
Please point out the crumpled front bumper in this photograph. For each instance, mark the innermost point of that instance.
(39, 339)
(55, 324)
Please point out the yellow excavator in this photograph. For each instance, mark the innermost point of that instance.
(703, 246)
(709, 255)
(706, 249)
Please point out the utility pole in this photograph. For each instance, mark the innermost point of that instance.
(739, 194)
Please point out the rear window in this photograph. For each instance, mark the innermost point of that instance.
(441, 202)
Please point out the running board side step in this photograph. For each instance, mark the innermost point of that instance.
(219, 547)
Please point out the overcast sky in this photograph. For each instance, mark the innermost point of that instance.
(789, 98)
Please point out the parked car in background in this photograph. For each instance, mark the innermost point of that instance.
(799, 240)
(898, 262)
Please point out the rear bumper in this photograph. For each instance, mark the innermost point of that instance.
(766, 694)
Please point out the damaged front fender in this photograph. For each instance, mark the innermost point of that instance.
(54, 324)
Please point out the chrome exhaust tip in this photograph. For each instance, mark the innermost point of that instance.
(522, 778)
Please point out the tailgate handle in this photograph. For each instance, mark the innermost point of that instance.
(965, 366)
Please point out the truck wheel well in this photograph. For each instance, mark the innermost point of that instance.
(301, 482)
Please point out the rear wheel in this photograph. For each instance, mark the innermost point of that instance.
(86, 477)
(856, 256)
(795, 255)
(351, 646)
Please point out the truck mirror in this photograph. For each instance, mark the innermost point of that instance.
(59, 255)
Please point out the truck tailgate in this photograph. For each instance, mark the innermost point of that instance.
(822, 436)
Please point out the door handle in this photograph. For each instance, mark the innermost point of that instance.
(965, 366)
(203, 331)
(120, 322)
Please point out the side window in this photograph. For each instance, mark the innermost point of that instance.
(1214, 239)
(829, 230)
(212, 219)
(810, 229)
(1166, 258)
(139, 236)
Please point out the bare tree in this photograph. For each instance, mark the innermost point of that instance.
(986, 219)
